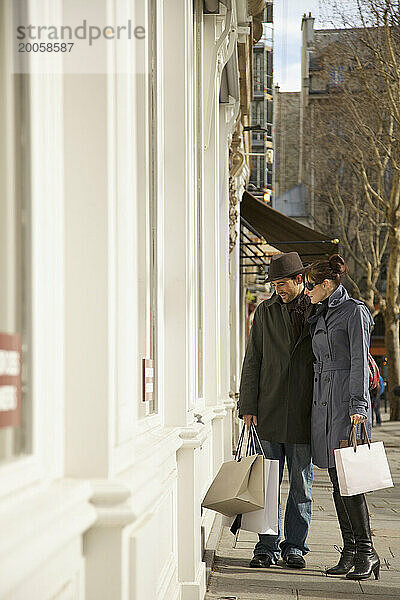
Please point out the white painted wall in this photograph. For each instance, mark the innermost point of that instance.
(43, 516)
(109, 502)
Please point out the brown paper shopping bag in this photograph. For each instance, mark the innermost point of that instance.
(238, 487)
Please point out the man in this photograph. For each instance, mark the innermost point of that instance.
(276, 394)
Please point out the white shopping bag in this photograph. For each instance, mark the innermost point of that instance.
(266, 520)
(363, 470)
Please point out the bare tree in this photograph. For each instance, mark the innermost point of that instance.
(358, 159)
(341, 196)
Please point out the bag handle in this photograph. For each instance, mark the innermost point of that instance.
(250, 448)
(352, 439)
(256, 439)
(252, 441)
(365, 433)
(238, 452)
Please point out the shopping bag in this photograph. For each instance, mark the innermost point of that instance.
(362, 468)
(266, 520)
(238, 486)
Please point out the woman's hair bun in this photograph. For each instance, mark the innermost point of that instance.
(337, 264)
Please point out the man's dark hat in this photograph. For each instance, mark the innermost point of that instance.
(284, 265)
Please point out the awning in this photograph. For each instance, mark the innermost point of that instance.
(285, 233)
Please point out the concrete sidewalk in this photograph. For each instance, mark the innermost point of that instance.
(232, 577)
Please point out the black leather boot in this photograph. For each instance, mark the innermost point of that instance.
(346, 561)
(366, 560)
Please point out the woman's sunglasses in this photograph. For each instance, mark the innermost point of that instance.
(310, 286)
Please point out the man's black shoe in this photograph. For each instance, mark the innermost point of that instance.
(295, 561)
(260, 561)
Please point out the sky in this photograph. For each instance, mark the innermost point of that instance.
(287, 40)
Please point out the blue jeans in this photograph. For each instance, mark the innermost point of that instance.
(299, 502)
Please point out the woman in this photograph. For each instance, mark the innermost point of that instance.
(340, 332)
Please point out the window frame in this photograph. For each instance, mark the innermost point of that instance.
(198, 194)
(40, 105)
(149, 412)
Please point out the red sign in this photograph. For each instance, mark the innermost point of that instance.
(148, 379)
(10, 380)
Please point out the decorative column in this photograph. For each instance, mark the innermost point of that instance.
(106, 571)
(191, 569)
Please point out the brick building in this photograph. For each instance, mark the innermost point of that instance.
(287, 139)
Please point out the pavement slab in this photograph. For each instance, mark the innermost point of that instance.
(233, 579)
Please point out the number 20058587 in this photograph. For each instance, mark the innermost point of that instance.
(45, 47)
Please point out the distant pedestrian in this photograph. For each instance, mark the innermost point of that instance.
(376, 395)
(276, 395)
(340, 333)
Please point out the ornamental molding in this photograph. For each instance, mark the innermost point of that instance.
(239, 174)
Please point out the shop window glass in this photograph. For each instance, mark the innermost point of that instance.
(15, 271)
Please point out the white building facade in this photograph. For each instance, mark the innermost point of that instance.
(119, 192)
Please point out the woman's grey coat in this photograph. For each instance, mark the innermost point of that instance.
(340, 342)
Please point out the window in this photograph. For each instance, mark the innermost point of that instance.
(269, 111)
(254, 112)
(198, 192)
(258, 72)
(336, 75)
(147, 184)
(15, 305)
(269, 18)
(153, 184)
(259, 174)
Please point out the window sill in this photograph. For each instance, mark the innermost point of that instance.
(18, 474)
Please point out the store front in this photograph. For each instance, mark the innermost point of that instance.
(119, 311)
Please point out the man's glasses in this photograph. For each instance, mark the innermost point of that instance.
(310, 286)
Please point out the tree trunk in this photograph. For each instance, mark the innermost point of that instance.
(369, 299)
(393, 354)
(391, 316)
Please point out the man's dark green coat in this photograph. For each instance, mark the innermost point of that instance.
(277, 375)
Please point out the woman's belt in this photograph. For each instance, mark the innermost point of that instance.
(331, 365)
